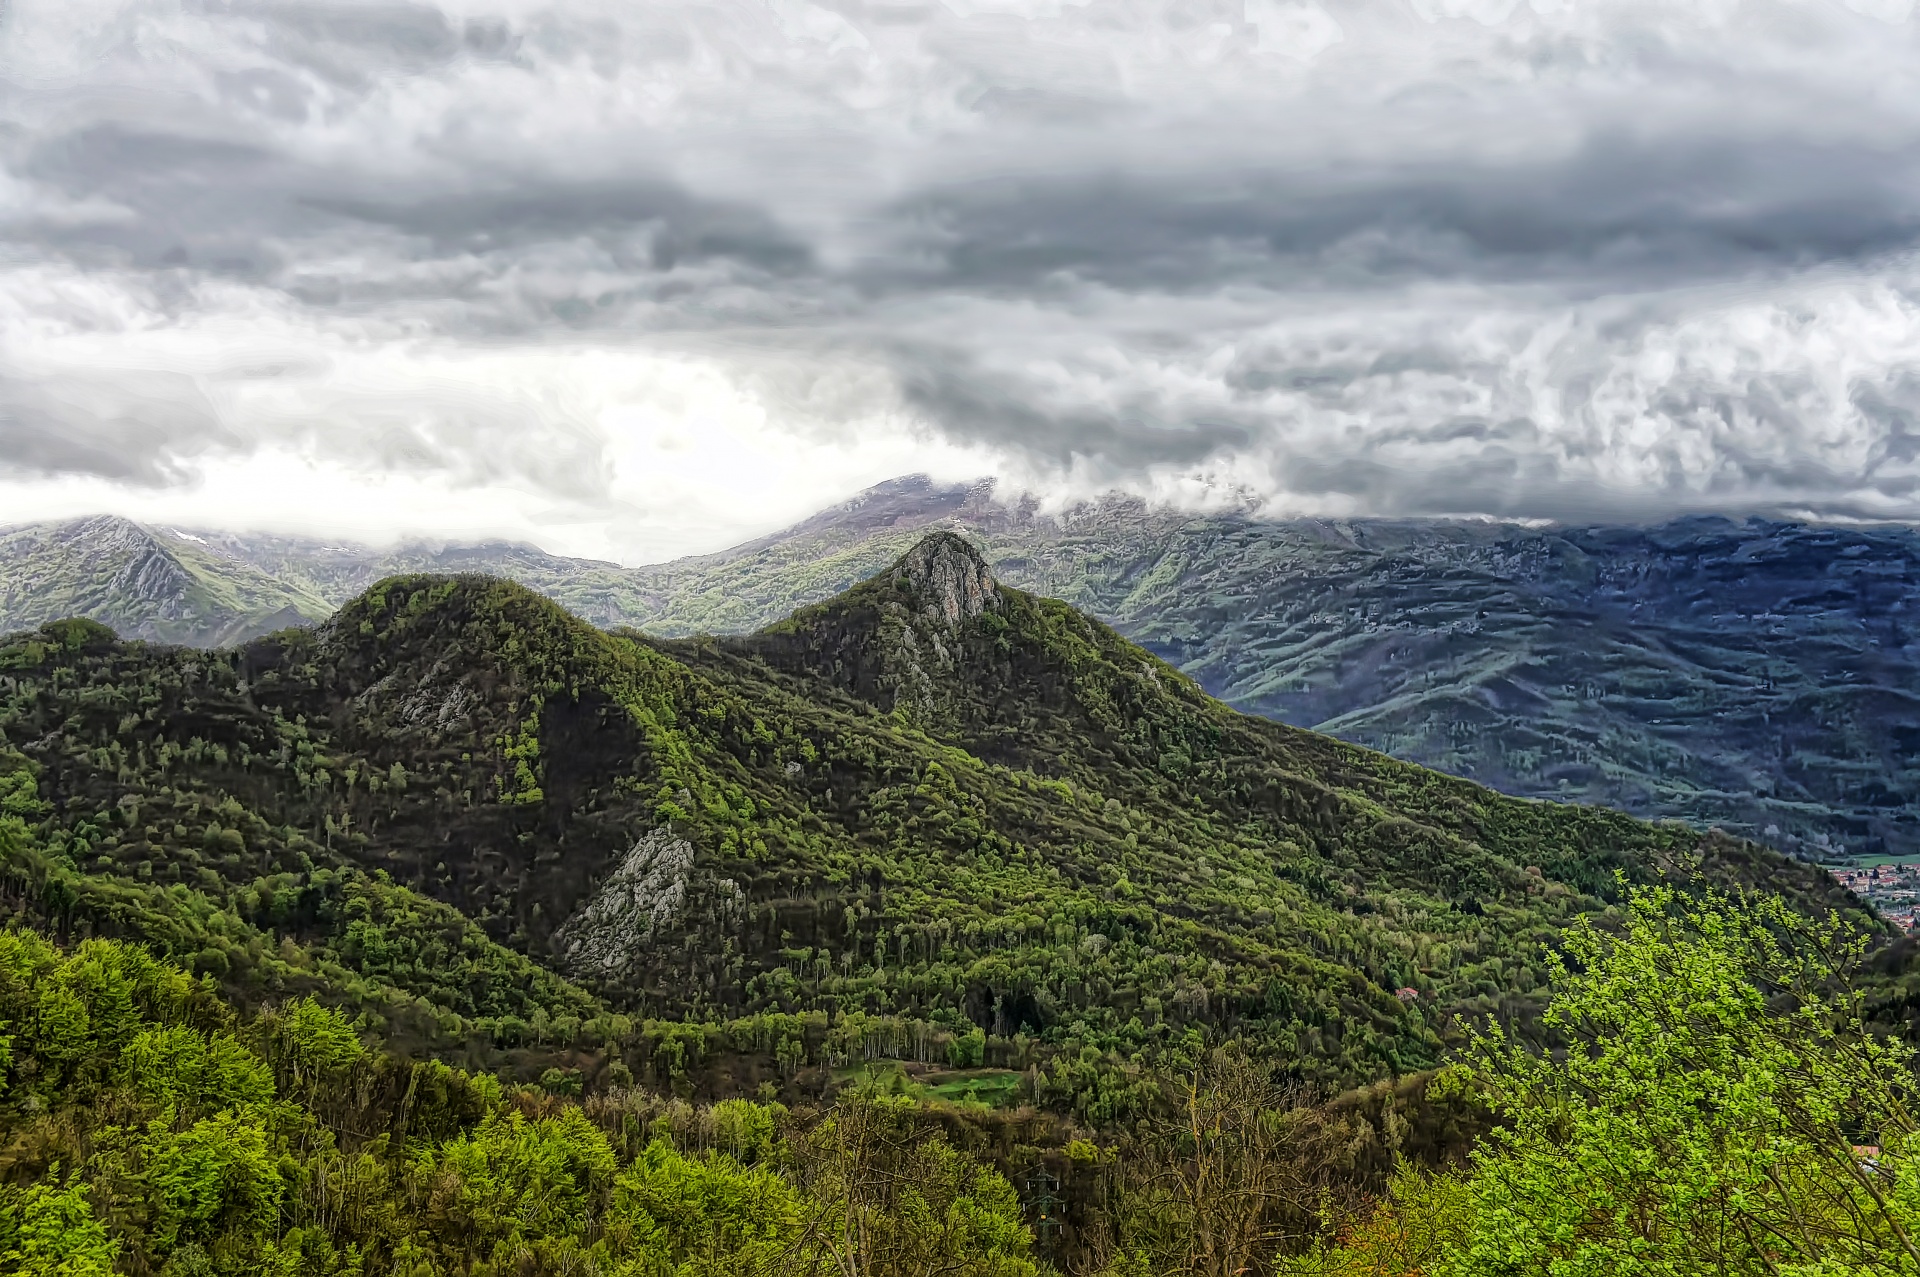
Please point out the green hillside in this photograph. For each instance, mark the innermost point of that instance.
(146, 1127)
(935, 819)
(933, 928)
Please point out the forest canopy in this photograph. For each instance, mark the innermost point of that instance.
(1717, 1107)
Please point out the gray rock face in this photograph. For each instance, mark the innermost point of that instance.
(950, 578)
(439, 700)
(640, 896)
(153, 576)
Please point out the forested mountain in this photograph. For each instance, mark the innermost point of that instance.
(1758, 676)
(933, 817)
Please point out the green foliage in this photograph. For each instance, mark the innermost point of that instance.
(167, 1119)
(49, 1230)
(1717, 1082)
(705, 1216)
(191, 1152)
(513, 1182)
(310, 1041)
(68, 1019)
(193, 1073)
(1715, 1107)
(217, 1177)
(887, 1197)
(745, 1130)
(1419, 1226)
(969, 1050)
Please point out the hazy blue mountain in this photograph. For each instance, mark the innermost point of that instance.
(1756, 675)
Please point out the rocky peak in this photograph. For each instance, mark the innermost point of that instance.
(949, 577)
(103, 531)
(143, 570)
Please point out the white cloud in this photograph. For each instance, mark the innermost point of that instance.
(1890, 11)
(1303, 31)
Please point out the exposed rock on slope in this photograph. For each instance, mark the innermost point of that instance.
(949, 577)
(642, 895)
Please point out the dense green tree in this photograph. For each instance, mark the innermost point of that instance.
(1708, 1110)
(706, 1216)
(1715, 1106)
(48, 1229)
(890, 1197)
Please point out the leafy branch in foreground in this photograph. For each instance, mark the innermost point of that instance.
(1718, 1107)
(1717, 1085)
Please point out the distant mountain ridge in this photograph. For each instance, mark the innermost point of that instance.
(169, 588)
(1761, 676)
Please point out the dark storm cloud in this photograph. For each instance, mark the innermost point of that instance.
(1392, 256)
(676, 226)
(998, 410)
(228, 205)
(1618, 213)
(209, 203)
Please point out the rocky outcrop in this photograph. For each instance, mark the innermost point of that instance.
(643, 894)
(949, 578)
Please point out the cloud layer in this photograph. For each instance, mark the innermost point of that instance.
(657, 275)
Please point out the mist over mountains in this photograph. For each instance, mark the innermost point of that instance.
(1756, 675)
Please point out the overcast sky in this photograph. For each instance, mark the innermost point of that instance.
(643, 277)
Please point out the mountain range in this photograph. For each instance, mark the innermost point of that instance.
(933, 818)
(1758, 676)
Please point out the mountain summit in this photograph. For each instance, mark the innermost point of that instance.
(1015, 679)
(949, 576)
(911, 639)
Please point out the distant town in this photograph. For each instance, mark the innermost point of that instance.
(1893, 889)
